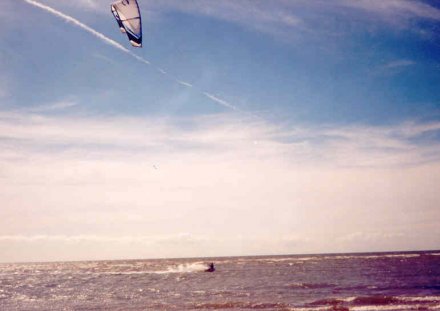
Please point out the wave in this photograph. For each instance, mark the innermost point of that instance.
(377, 302)
(313, 309)
(241, 305)
(374, 300)
(317, 258)
(422, 299)
(310, 285)
(394, 307)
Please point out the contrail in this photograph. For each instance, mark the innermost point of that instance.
(220, 101)
(83, 26)
(184, 83)
(118, 46)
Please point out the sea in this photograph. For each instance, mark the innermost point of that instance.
(373, 281)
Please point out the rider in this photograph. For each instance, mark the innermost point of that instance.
(210, 267)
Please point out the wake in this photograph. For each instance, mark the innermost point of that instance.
(184, 268)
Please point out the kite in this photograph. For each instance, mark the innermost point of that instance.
(128, 17)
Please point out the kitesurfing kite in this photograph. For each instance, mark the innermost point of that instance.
(128, 16)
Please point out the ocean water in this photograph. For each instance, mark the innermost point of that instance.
(380, 281)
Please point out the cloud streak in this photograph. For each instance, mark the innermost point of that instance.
(351, 145)
(399, 64)
(291, 20)
(56, 106)
(399, 8)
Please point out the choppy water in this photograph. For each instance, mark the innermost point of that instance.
(393, 281)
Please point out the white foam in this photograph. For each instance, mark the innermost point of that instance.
(331, 257)
(122, 272)
(402, 256)
(424, 298)
(326, 308)
(184, 268)
(394, 307)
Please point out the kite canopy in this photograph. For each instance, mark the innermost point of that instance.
(128, 16)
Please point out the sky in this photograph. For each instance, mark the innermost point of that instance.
(240, 128)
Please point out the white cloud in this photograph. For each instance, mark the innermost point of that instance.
(396, 8)
(297, 190)
(394, 67)
(258, 15)
(59, 105)
(308, 17)
(399, 63)
(341, 146)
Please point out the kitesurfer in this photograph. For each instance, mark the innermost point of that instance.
(210, 267)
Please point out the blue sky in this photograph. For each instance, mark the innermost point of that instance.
(304, 126)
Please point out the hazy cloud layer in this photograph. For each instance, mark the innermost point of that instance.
(75, 185)
(74, 179)
(350, 146)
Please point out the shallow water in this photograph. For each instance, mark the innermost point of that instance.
(393, 281)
